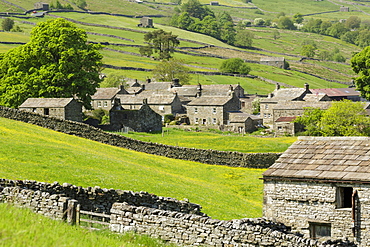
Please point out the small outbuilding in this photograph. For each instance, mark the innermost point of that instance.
(320, 187)
(146, 22)
(41, 6)
(63, 108)
(143, 119)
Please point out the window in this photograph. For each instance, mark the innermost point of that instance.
(269, 115)
(161, 107)
(266, 106)
(46, 111)
(264, 115)
(243, 104)
(34, 109)
(99, 103)
(196, 120)
(344, 197)
(105, 103)
(214, 120)
(214, 110)
(195, 110)
(319, 230)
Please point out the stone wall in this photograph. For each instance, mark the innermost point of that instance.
(52, 206)
(301, 204)
(193, 230)
(93, 199)
(233, 159)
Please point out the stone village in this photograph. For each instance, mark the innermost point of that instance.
(318, 188)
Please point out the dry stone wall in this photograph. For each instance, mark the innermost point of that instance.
(194, 230)
(93, 199)
(234, 159)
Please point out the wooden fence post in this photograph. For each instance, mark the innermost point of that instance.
(72, 212)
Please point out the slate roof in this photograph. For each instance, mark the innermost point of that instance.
(286, 94)
(153, 99)
(324, 158)
(45, 102)
(285, 119)
(299, 105)
(207, 90)
(337, 92)
(210, 101)
(242, 117)
(105, 93)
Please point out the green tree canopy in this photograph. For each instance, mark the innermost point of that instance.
(57, 62)
(308, 50)
(7, 24)
(235, 65)
(360, 64)
(343, 118)
(171, 69)
(244, 38)
(196, 9)
(160, 42)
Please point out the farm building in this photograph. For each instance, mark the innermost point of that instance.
(320, 187)
(63, 108)
(41, 6)
(143, 119)
(103, 98)
(274, 61)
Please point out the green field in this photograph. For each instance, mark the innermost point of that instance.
(216, 141)
(30, 229)
(34, 153)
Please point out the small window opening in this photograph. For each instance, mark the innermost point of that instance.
(344, 197)
(46, 111)
(319, 230)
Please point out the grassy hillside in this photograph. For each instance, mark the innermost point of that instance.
(21, 227)
(31, 152)
(288, 44)
(216, 141)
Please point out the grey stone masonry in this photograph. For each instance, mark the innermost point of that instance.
(195, 230)
(93, 199)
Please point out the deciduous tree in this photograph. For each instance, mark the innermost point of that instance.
(235, 65)
(57, 62)
(171, 69)
(7, 24)
(160, 42)
(360, 65)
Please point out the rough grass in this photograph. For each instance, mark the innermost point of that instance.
(21, 227)
(215, 140)
(31, 152)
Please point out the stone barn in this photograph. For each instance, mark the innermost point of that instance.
(63, 108)
(274, 61)
(140, 120)
(320, 187)
(146, 22)
(41, 6)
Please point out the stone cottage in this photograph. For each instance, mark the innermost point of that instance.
(320, 187)
(163, 104)
(290, 102)
(63, 108)
(242, 122)
(143, 119)
(104, 97)
(212, 110)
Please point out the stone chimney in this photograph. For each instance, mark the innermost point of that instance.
(307, 86)
(277, 86)
(176, 82)
(145, 101)
(148, 80)
(143, 87)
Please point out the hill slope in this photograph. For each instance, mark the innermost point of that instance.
(33, 153)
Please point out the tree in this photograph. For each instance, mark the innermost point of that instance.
(275, 34)
(286, 23)
(298, 18)
(343, 118)
(184, 21)
(244, 38)
(7, 24)
(171, 69)
(196, 9)
(353, 22)
(308, 51)
(81, 3)
(160, 42)
(57, 62)
(114, 79)
(311, 120)
(259, 22)
(235, 65)
(360, 65)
